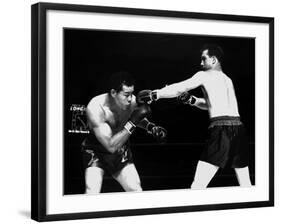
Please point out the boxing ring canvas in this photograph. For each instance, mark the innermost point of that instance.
(74, 50)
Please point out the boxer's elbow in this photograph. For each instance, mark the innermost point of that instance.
(201, 103)
(203, 107)
(112, 146)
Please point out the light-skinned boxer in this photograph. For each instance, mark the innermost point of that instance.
(227, 143)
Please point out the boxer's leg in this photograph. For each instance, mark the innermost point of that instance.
(129, 178)
(203, 175)
(243, 176)
(93, 179)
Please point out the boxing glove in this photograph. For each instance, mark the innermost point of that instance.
(157, 132)
(146, 96)
(186, 98)
(137, 115)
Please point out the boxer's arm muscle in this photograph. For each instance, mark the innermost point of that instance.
(201, 103)
(176, 89)
(103, 131)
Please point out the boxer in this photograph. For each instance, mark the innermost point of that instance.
(112, 119)
(226, 143)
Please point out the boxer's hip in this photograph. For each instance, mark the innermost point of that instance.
(225, 121)
(94, 154)
(226, 142)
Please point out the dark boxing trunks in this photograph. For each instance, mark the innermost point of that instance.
(94, 154)
(227, 143)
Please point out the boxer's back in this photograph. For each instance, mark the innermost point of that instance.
(220, 94)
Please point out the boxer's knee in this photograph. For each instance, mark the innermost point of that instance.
(131, 183)
(129, 179)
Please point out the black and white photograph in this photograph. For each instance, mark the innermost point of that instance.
(139, 112)
(157, 111)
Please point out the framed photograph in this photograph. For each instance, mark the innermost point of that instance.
(139, 111)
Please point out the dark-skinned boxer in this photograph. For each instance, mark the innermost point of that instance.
(112, 119)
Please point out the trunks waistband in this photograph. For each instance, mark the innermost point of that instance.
(225, 121)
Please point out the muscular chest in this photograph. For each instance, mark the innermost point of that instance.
(116, 120)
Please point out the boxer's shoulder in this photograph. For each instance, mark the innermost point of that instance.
(98, 101)
(97, 106)
(201, 75)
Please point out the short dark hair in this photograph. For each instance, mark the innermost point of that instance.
(118, 79)
(214, 50)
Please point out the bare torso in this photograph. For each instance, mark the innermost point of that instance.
(102, 107)
(219, 94)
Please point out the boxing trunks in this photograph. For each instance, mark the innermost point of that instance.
(94, 154)
(227, 143)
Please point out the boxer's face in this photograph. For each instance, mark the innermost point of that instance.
(123, 98)
(207, 62)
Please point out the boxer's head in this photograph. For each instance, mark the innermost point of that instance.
(121, 88)
(211, 56)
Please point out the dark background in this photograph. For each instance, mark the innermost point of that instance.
(154, 59)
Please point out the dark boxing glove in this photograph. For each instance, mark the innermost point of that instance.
(157, 132)
(146, 96)
(137, 115)
(186, 98)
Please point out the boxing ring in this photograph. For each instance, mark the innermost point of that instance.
(160, 166)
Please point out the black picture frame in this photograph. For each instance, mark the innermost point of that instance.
(39, 109)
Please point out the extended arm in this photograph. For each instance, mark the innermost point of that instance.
(171, 91)
(177, 89)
